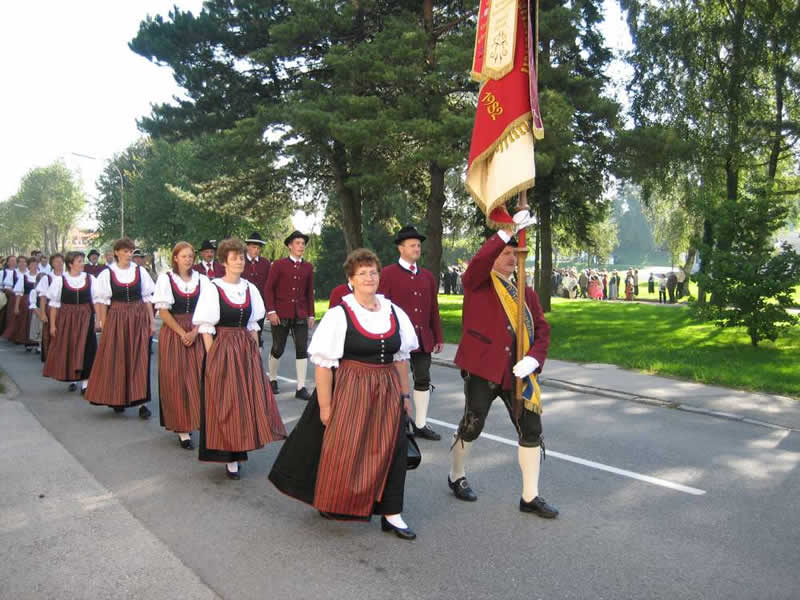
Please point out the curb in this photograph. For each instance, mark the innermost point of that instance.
(639, 399)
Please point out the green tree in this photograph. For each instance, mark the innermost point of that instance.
(44, 209)
(715, 78)
(573, 159)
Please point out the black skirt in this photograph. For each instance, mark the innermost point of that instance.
(295, 469)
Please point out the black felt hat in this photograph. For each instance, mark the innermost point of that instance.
(409, 232)
(138, 252)
(92, 252)
(295, 235)
(255, 238)
(207, 245)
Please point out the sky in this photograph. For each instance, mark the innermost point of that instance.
(72, 85)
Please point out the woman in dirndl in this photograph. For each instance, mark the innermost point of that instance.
(347, 456)
(22, 291)
(73, 342)
(45, 281)
(238, 409)
(12, 277)
(180, 350)
(121, 373)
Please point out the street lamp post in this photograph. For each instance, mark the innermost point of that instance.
(121, 192)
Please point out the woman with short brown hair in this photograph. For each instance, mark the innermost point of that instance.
(238, 410)
(121, 374)
(347, 455)
(180, 351)
(73, 342)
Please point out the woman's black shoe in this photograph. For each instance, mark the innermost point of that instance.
(186, 444)
(73, 387)
(405, 534)
(232, 474)
(118, 409)
(144, 412)
(302, 394)
(83, 391)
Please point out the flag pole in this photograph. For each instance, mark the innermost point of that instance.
(522, 255)
(522, 249)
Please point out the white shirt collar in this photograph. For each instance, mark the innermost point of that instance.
(253, 259)
(407, 265)
(296, 260)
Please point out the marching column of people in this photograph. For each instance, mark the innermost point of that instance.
(349, 453)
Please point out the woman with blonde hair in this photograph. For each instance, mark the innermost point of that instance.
(180, 350)
(238, 412)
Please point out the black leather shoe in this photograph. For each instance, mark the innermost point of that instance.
(426, 433)
(83, 391)
(186, 444)
(274, 384)
(144, 412)
(461, 489)
(539, 507)
(118, 409)
(302, 394)
(325, 515)
(405, 534)
(73, 387)
(232, 474)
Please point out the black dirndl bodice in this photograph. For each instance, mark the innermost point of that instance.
(71, 295)
(232, 314)
(184, 303)
(126, 292)
(27, 286)
(373, 348)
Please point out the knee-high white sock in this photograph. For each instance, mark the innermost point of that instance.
(273, 367)
(301, 364)
(529, 465)
(421, 400)
(458, 456)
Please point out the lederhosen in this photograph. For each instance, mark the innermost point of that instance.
(71, 354)
(320, 465)
(238, 412)
(479, 394)
(121, 373)
(180, 368)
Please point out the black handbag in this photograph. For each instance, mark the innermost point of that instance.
(414, 455)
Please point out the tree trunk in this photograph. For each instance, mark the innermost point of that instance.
(543, 197)
(350, 200)
(433, 216)
(708, 242)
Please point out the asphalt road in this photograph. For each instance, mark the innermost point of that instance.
(654, 504)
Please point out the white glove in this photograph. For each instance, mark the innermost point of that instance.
(523, 219)
(525, 367)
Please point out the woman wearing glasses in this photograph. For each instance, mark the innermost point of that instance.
(347, 455)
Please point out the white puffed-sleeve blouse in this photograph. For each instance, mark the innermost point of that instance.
(327, 344)
(206, 315)
(103, 284)
(54, 291)
(163, 298)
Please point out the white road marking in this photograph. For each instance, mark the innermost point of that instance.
(577, 460)
(591, 464)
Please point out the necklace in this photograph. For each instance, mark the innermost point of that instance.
(374, 308)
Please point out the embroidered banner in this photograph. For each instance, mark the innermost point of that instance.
(501, 159)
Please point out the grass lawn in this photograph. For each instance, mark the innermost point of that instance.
(657, 339)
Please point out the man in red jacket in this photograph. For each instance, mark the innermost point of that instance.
(289, 297)
(415, 290)
(486, 356)
(256, 271)
(208, 265)
(92, 267)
